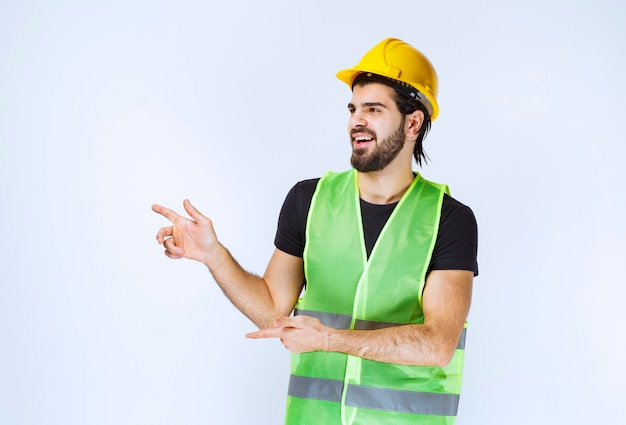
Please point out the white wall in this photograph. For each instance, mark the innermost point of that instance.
(105, 109)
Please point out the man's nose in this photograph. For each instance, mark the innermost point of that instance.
(357, 120)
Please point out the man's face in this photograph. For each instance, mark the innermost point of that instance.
(376, 127)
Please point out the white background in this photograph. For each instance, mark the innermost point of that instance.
(107, 108)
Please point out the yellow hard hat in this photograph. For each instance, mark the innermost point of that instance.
(404, 65)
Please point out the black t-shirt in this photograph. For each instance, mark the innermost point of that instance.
(455, 248)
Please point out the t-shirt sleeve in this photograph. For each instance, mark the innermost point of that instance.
(290, 233)
(456, 247)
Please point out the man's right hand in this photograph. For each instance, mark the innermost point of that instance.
(186, 238)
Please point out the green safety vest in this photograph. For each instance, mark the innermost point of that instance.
(346, 290)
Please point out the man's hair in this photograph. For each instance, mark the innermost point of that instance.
(406, 106)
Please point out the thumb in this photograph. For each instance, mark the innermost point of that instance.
(284, 322)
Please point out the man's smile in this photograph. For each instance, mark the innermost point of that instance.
(362, 137)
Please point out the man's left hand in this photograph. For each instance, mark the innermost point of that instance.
(299, 334)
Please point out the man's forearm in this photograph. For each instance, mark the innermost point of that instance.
(408, 344)
(247, 291)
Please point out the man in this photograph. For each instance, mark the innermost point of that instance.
(386, 260)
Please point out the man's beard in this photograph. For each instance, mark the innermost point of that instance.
(380, 155)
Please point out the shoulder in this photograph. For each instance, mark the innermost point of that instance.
(307, 185)
(303, 191)
(298, 200)
(452, 209)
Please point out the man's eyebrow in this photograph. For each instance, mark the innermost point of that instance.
(368, 105)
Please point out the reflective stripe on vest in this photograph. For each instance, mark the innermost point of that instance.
(347, 290)
(374, 398)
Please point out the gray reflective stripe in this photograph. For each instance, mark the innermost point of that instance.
(461, 344)
(315, 388)
(373, 397)
(363, 325)
(402, 401)
(343, 321)
(334, 320)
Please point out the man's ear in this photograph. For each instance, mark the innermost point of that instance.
(413, 123)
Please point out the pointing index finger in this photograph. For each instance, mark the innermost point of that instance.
(265, 333)
(171, 215)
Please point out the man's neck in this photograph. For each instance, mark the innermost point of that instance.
(386, 186)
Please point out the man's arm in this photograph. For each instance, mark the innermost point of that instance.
(261, 299)
(446, 303)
